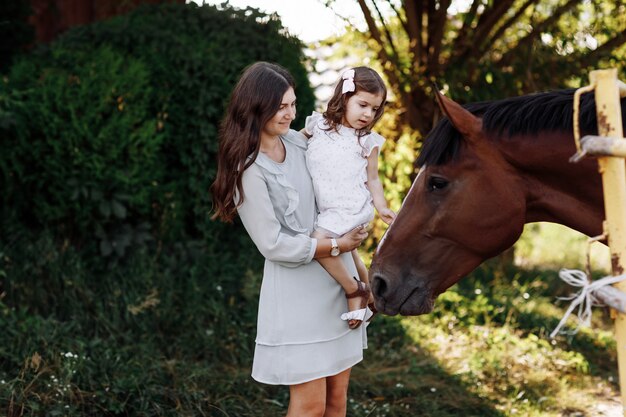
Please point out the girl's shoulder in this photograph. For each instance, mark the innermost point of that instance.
(314, 123)
(374, 137)
(371, 141)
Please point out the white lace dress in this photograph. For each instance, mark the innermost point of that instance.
(337, 162)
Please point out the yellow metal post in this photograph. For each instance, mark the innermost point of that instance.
(613, 172)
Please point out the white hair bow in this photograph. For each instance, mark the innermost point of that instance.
(348, 81)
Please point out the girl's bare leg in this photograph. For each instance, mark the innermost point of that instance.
(336, 268)
(360, 266)
(362, 269)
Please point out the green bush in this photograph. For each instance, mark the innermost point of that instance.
(88, 152)
(110, 134)
(195, 55)
(15, 31)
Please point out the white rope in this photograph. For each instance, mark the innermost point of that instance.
(585, 298)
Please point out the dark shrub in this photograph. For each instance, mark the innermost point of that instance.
(15, 31)
(109, 136)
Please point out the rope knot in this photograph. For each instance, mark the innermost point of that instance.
(584, 299)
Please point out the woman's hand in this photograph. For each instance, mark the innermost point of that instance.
(352, 239)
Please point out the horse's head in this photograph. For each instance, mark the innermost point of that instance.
(457, 214)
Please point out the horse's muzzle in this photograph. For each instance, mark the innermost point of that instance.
(401, 296)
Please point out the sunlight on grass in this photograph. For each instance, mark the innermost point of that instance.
(551, 245)
(500, 357)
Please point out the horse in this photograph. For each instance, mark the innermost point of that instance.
(486, 170)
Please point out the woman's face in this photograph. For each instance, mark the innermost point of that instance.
(280, 123)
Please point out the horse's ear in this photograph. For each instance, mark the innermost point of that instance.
(465, 122)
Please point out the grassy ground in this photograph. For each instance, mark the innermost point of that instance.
(484, 351)
(114, 346)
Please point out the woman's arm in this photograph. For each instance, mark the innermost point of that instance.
(376, 188)
(346, 243)
(258, 217)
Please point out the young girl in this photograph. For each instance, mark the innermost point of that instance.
(342, 158)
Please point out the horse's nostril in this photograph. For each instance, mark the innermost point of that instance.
(379, 286)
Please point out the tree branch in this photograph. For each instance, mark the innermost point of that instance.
(328, 4)
(399, 16)
(420, 32)
(602, 51)
(390, 70)
(488, 21)
(485, 46)
(394, 51)
(437, 37)
(535, 32)
(460, 44)
(431, 14)
(414, 25)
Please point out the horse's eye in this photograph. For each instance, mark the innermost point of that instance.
(437, 183)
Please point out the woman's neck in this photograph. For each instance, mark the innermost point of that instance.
(273, 148)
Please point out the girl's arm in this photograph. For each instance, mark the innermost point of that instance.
(376, 188)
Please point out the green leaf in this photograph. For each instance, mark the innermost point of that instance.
(118, 209)
(105, 208)
(106, 249)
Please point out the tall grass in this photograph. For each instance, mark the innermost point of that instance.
(154, 336)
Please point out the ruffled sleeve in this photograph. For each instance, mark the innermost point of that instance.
(288, 200)
(372, 141)
(311, 124)
(258, 216)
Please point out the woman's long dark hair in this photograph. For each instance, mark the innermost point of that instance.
(254, 101)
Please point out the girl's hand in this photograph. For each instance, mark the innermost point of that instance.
(352, 239)
(387, 215)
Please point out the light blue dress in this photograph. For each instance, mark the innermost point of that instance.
(300, 335)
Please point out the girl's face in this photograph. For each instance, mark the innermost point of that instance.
(361, 109)
(279, 124)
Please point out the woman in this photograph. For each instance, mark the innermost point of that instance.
(301, 340)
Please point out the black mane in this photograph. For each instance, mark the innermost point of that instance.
(530, 114)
